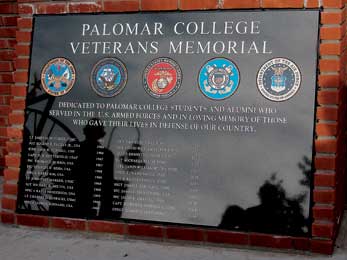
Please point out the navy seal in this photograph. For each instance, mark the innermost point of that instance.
(108, 77)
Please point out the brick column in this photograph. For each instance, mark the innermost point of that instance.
(8, 22)
(330, 143)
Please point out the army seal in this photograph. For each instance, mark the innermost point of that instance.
(58, 77)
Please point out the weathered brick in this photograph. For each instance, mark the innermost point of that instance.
(265, 240)
(324, 196)
(14, 133)
(332, 33)
(8, 8)
(7, 217)
(19, 91)
(184, 234)
(16, 118)
(17, 104)
(145, 230)
(324, 179)
(24, 37)
(11, 174)
(22, 63)
(322, 246)
(198, 5)
(106, 226)
(7, 33)
(326, 129)
(51, 8)
(330, 97)
(326, 145)
(25, 9)
(84, 7)
(21, 76)
(32, 220)
(150, 5)
(66, 223)
(8, 203)
(283, 4)
(329, 65)
(324, 212)
(22, 50)
(330, 48)
(227, 237)
(14, 147)
(244, 4)
(10, 189)
(325, 162)
(333, 17)
(333, 3)
(121, 5)
(12, 161)
(25, 23)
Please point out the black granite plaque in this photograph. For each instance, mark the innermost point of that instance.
(200, 118)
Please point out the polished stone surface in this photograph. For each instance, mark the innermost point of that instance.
(188, 159)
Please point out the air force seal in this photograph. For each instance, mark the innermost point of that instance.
(162, 78)
(279, 79)
(58, 77)
(219, 78)
(109, 77)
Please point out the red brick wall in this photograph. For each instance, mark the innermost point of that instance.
(330, 140)
(8, 22)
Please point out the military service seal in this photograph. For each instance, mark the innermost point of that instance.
(162, 78)
(279, 79)
(108, 77)
(219, 78)
(58, 77)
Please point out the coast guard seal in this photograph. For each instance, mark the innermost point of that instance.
(162, 78)
(279, 79)
(219, 78)
(58, 77)
(108, 77)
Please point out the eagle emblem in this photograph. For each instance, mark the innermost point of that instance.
(108, 77)
(58, 76)
(219, 78)
(162, 78)
(279, 79)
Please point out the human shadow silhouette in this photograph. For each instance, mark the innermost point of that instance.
(89, 178)
(93, 174)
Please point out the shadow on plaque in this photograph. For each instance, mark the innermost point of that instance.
(276, 214)
(97, 194)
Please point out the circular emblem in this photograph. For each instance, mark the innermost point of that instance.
(162, 78)
(219, 78)
(279, 79)
(109, 77)
(58, 77)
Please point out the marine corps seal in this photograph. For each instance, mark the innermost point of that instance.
(108, 77)
(58, 77)
(162, 78)
(219, 78)
(279, 79)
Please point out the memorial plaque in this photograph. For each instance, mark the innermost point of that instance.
(199, 118)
